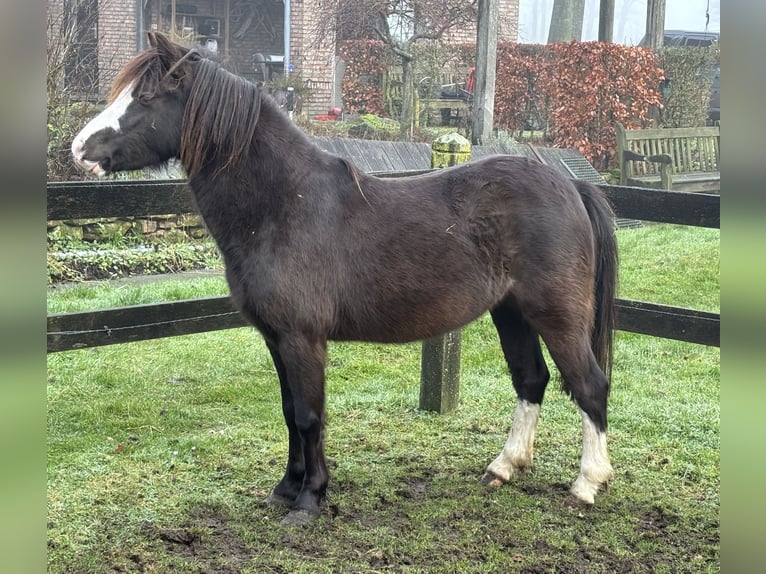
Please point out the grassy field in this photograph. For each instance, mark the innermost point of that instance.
(160, 453)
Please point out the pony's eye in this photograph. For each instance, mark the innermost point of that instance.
(144, 98)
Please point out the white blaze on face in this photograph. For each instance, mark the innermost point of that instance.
(109, 118)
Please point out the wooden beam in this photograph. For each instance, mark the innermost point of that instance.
(91, 199)
(68, 331)
(662, 206)
(82, 200)
(669, 322)
(226, 26)
(440, 373)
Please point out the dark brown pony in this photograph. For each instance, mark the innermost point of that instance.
(316, 250)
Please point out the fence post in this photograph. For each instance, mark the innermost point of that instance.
(440, 356)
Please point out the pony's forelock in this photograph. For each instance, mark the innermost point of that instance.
(145, 69)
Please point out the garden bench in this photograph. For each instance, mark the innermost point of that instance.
(452, 96)
(679, 159)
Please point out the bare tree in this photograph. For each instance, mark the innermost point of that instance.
(605, 20)
(73, 78)
(655, 23)
(566, 20)
(400, 24)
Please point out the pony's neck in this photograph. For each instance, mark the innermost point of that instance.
(256, 184)
(277, 140)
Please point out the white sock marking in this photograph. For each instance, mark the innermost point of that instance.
(517, 454)
(595, 468)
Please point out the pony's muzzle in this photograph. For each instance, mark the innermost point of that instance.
(78, 152)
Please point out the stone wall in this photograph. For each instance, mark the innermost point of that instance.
(149, 229)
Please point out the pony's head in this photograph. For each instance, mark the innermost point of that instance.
(141, 126)
(170, 101)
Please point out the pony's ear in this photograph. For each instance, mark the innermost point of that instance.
(169, 52)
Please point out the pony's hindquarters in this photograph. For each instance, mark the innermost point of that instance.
(573, 311)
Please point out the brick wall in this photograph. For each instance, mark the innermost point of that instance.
(508, 30)
(117, 38)
(315, 62)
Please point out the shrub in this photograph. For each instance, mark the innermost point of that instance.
(689, 70)
(591, 86)
(362, 85)
(65, 120)
(77, 261)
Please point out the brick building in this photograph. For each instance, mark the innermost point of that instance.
(250, 34)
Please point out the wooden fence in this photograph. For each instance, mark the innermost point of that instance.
(74, 200)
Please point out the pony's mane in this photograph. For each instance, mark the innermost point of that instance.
(220, 116)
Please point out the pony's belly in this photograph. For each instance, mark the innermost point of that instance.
(405, 325)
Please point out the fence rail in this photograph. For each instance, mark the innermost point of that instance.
(80, 200)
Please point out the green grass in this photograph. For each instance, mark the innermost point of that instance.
(160, 453)
(672, 265)
(93, 295)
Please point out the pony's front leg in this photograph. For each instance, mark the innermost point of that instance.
(287, 490)
(301, 373)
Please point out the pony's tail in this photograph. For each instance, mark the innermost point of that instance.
(602, 220)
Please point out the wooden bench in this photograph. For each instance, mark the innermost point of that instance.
(678, 159)
(452, 96)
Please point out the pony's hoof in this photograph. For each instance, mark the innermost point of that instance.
(279, 500)
(492, 480)
(299, 517)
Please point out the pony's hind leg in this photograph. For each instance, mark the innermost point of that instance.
(588, 386)
(529, 374)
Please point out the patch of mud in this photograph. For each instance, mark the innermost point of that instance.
(414, 490)
(655, 521)
(208, 542)
(205, 541)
